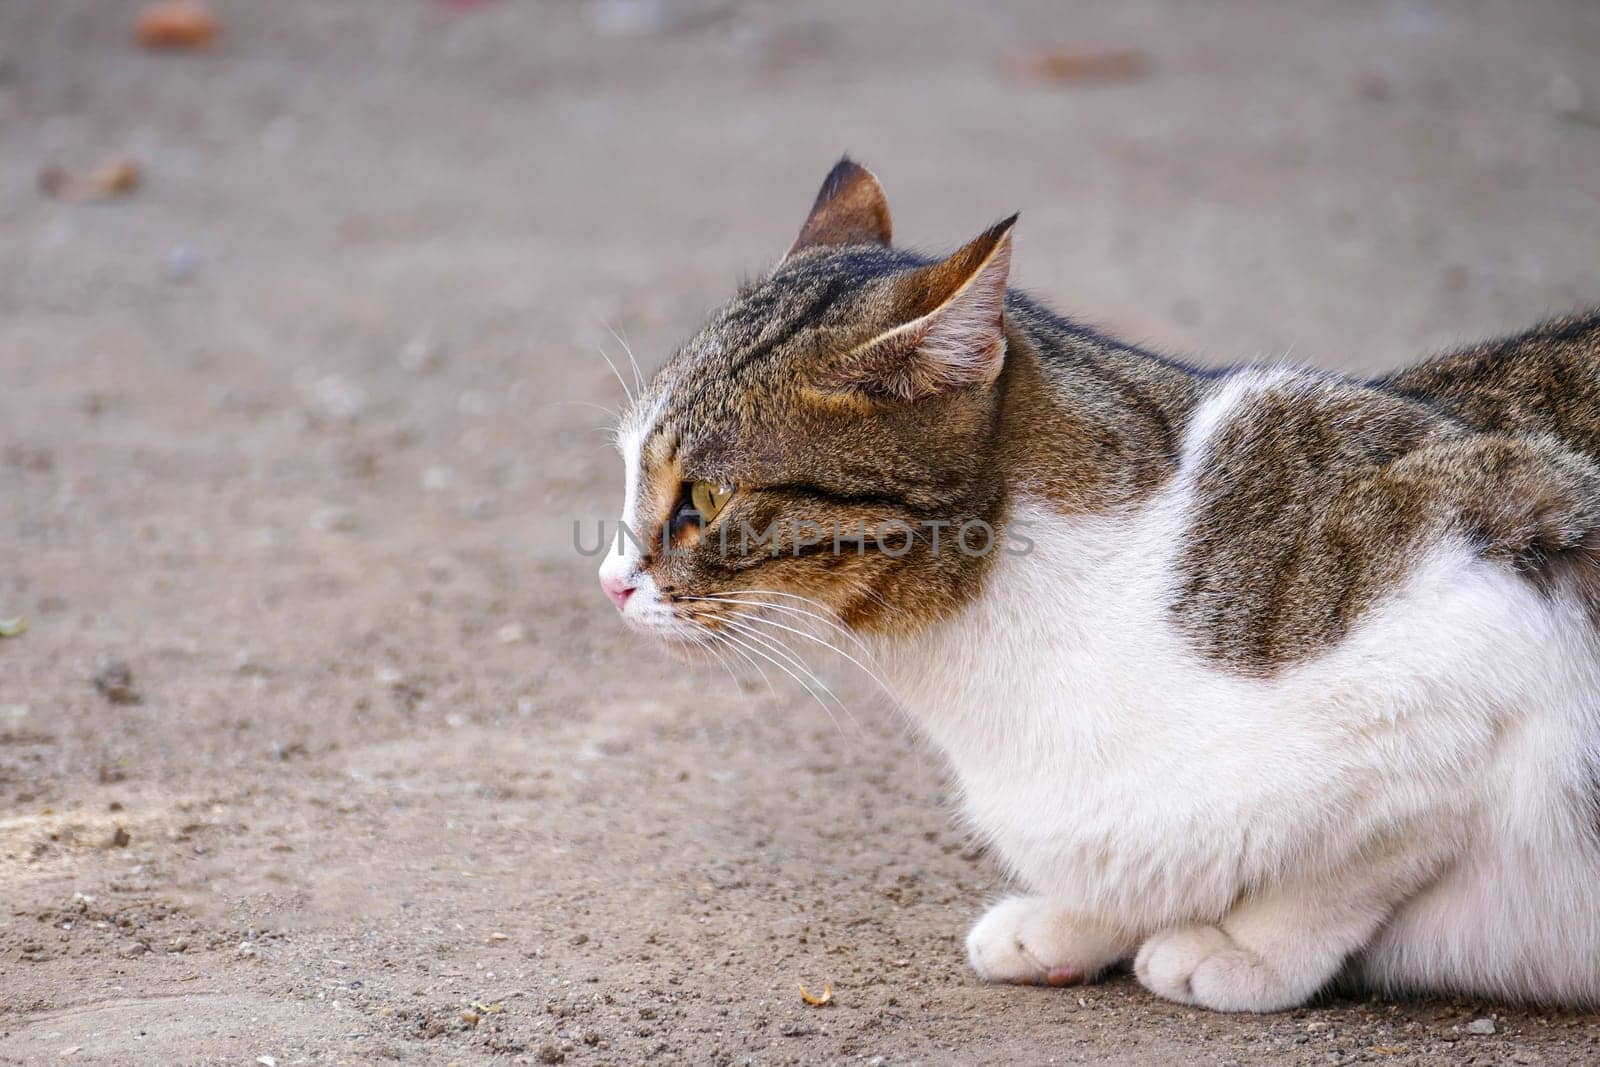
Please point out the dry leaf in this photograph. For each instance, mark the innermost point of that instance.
(119, 179)
(818, 1000)
(175, 24)
(1082, 67)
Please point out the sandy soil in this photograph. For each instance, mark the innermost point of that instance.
(281, 436)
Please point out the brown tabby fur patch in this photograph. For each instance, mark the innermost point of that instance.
(1316, 497)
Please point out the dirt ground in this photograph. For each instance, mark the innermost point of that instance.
(294, 433)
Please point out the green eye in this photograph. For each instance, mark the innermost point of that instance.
(708, 498)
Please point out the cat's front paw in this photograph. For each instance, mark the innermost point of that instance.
(1202, 965)
(1029, 941)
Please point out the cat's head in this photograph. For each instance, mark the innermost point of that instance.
(825, 445)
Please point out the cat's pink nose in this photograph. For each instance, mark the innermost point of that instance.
(619, 589)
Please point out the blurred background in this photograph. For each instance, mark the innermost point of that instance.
(319, 741)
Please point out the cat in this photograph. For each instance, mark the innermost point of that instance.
(1281, 680)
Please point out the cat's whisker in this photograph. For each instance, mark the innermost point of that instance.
(813, 601)
(712, 641)
(618, 375)
(638, 376)
(771, 689)
(826, 611)
(749, 642)
(738, 642)
(825, 608)
(788, 609)
(612, 412)
(741, 623)
(710, 646)
(751, 619)
(858, 587)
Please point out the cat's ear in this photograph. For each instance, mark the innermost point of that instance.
(850, 210)
(952, 333)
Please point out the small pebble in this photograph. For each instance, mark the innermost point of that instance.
(334, 519)
(510, 634)
(182, 264)
(420, 354)
(115, 683)
(339, 399)
(1482, 1027)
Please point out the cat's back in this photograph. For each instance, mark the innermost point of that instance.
(1543, 381)
(1310, 499)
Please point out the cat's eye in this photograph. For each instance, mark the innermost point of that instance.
(707, 498)
(698, 504)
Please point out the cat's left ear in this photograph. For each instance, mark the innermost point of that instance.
(850, 209)
(952, 331)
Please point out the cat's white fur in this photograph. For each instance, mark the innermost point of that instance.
(644, 610)
(1415, 807)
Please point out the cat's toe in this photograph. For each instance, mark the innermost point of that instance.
(1027, 940)
(1236, 979)
(996, 949)
(1201, 965)
(1166, 963)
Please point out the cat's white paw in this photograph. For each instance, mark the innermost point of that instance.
(1029, 941)
(1202, 965)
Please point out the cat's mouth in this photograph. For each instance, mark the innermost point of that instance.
(685, 642)
(694, 630)
(686, 635)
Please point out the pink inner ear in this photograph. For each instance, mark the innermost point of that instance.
(963, 341)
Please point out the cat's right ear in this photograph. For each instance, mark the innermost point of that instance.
(850, 210)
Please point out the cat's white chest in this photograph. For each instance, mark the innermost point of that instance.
(1048, 696)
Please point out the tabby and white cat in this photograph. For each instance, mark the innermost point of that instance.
(1289, 678)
